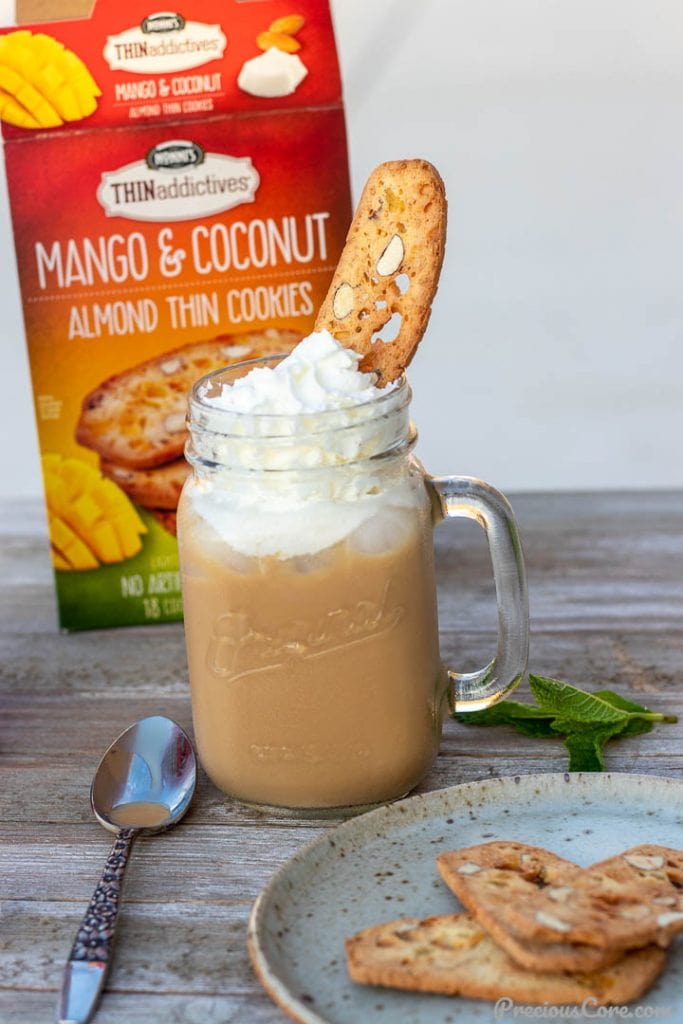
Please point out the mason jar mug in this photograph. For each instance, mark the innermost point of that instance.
(310, 602)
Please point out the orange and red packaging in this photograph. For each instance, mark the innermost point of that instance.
(159, 199)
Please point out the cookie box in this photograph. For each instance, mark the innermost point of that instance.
(179, 193)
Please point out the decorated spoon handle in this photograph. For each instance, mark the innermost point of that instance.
(88, 965)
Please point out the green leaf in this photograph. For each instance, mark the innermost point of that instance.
(585, 749)
(586, 721)
(565, 701)
(529, 720)
(634, 726)
(505, 709)
(617, 701)
(598, 708)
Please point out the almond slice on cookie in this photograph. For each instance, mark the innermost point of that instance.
(389, 268)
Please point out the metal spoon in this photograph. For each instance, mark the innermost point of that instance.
(144, 783)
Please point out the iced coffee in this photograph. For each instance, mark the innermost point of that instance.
(308, 586)
(316, 679)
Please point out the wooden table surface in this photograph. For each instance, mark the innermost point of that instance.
(606, 595)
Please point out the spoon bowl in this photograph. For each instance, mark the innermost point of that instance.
(146, 779)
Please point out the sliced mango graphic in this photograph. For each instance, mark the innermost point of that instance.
(91, 521)
(14, 113)
(69, 545)
(42, 84)
(58, 560)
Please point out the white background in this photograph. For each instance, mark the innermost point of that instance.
(554, 358)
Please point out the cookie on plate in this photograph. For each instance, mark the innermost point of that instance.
(453, 955)
(389, 267)
(137, 418)
(571, 957)
(486, 877)
(493, 874)
(623, 902)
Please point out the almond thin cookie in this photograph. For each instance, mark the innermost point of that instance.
(623, 902)
(137, 418)
(154, 488)
(398, 232)
(453, 955)
(486, 877)
(573, 958)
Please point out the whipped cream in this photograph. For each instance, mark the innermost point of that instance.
(303, 527)
(319, 375)
(273, 73)
(314, 408)
(292, 446)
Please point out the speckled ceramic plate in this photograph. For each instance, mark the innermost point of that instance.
(381, 865)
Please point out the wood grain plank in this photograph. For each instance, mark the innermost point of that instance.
(138, 1008)
(62, 799)
(89, 665)
(47, 731)
(50, 782)
(38, 936)
(201, 864)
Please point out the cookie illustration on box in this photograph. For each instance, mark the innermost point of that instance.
(167, 518)
(154, 488)
(135, 420)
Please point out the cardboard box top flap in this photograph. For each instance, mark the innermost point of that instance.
(27, 12)
(130, 64)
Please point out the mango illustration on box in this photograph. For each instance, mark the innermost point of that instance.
(278, 71)
(42, 83)
(91, 521)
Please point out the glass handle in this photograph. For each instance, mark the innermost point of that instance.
(461, 497)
